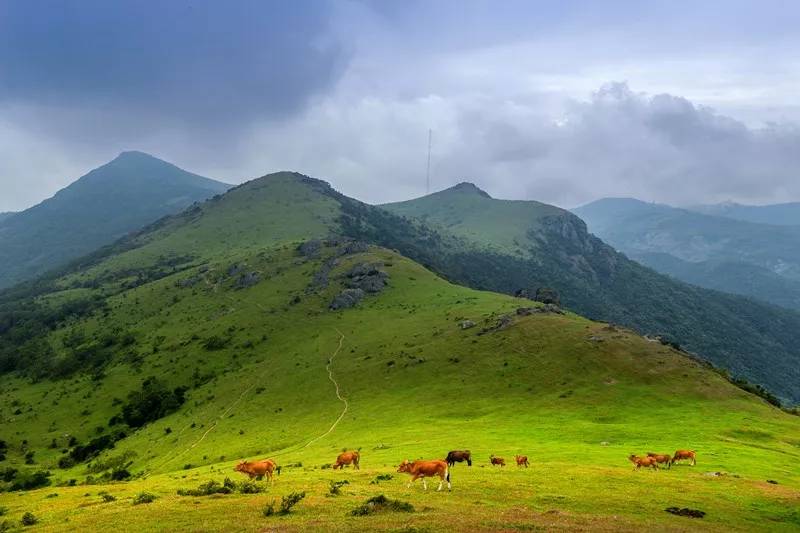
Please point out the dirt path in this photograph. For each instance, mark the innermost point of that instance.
(331, 377)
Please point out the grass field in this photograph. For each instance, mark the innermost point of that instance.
(576, 396)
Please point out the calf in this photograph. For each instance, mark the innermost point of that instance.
(458, 456)
(257, 469)
(647, 462)
(423, 469)
(522, 460)
(661, 458)
(347, 458)
(497, 460)
(680, 455)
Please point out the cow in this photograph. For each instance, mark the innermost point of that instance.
(522, 460)
(458, 456)
(497, 460)
(661, 458)
(680, 455)
(423, 469)
(256, 469)
(346, 458)
(643, 462)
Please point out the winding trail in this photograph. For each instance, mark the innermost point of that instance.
(331, 377)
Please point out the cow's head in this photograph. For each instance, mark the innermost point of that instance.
(240, 467)
(405, 466)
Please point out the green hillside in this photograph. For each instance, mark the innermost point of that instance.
(553, 249)
(752, 259)
(216, 325)
(107, 203)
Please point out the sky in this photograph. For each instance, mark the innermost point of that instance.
(563, 102)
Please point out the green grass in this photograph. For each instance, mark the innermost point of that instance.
(540, 387)
(574, 395)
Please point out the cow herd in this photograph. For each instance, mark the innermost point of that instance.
(420, 469)
(652, 460)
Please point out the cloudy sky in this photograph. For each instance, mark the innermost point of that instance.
(676, 101)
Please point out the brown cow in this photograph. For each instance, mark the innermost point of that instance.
(346, 458)
(685, 454)
(661, 458)
(423, 469)
(458, 456)
(257, 469)
(522, 460)
(497, 460)
(643, 462)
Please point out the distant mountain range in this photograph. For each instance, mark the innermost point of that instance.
(119, 197)
(5, 215)
(718, 252)
(787, 214)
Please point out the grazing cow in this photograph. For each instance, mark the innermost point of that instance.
(257, 469)
(458, 456)
(423, 469)
(680, 455)
(643, 462)
(661, 458)
(497, 460)
(346, 458)
(522, 460)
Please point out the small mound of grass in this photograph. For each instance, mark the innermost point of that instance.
(28, 519)
(685, 511)
(144, 497)
(380, 504)
(381, 477)
(336, 487)
(226, 487)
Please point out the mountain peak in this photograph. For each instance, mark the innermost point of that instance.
(466, 187)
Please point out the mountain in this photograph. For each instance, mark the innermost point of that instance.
(5, 215)
(145, 371)
(756, 260)
(119, 197)
(543, 246)
(787, 214)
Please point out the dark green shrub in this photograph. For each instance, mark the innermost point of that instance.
(153, 401)
(287, 502)
(381, 503)
(144, 497)
(381, 477)
(336, 487)
(28, 519)
(30, 480)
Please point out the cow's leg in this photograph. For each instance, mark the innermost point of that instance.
(424, 483)
(413, 479)
(441, 482)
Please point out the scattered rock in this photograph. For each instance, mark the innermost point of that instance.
(605, 443)
(247, 280)
(346, 299)
(546, 308)
(716, 474)
(354, 247)
(502, 323)
(188, 282)
(685, 511)
(320, 279)
(367, 277)
(595, 338)
(466, 324)
(310, 248)
(235, 269)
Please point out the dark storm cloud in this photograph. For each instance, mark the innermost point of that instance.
(198, 63)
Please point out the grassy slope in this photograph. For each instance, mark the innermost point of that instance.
(751, 339)
(119, 197)
(542, 387)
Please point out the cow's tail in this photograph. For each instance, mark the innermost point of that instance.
(447, 474)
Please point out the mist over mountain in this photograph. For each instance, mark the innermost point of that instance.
(119, 197)
(787, 214)
(741, 257)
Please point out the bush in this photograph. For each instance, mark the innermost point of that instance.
(153, 401)
(215, 342)
(380, 504)
(107, 498)
(287, 502)
(227, 487)
(81, 453)
(381, 477)
(3, 510)
(144, 497)
(28, 519)
(336, 487)
(120, 474)
(30, 481)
